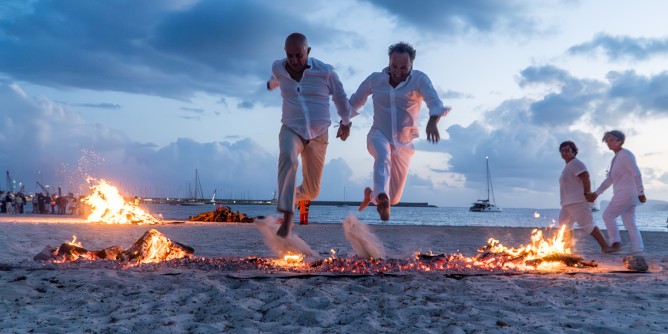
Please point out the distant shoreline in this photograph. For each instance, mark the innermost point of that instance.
(190, 202)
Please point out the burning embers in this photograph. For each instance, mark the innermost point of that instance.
(540, 252)
(108, 206)
(152, 247)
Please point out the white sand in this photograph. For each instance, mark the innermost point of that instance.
(170, 298)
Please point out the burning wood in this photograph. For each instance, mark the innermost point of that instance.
(152, 247)
(108, 206)
(222, 214)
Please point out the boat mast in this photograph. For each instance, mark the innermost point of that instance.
(489, 183)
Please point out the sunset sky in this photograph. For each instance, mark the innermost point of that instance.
(143, 93)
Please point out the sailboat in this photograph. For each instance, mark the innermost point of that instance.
(343, 204)
(196, 197)
(485, 205)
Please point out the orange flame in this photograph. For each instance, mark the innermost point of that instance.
(538, 248)
(108, 206)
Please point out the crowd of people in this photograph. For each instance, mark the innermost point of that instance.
(40, 203)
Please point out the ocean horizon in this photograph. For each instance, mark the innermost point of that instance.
(648, 217)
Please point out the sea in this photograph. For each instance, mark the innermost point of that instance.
(647, 218)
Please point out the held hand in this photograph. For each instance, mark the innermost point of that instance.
(591, 196)
(642, 198)
(432, 130)
(344, 131)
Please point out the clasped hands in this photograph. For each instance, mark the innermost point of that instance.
(590, 196)
(344, 131)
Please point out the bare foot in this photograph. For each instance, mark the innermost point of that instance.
(366, 200)
(616, 246)
(286, 225)
(383, 207)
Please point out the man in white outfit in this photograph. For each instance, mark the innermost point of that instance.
(306, 86)
(574, 183)
(398, 92)
(627, 192)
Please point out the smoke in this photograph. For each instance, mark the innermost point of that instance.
(363, 241)
(282, 246)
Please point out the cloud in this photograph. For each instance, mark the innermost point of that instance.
(168, 48)
(42, 139)
(110, 106)
(521, 136)
(618, 48)
(454, 17)
(193, 110)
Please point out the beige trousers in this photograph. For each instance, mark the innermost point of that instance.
(291, 147)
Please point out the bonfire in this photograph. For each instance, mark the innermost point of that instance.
(108, 206)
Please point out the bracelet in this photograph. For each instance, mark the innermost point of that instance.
(349, 124)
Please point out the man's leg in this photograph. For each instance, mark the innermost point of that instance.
(380, 150)
(615, 208)
(313, 162)
(629, 220)
(401, 163)
(290, 145)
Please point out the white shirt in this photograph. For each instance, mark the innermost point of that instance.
(306, 103)
(395, 110)
(624, 175)
(571, 189)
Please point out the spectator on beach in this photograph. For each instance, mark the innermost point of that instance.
(398, 92)
(35, 203)
(627, 192)
(41, 202)
(9, 202)
(18, 203)
(306, 85)
(574, 183)
(303, 211)
(3, 203)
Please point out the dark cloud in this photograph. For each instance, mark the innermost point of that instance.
(151, 47)
(618, 48)
(452, 17)
(639, 94)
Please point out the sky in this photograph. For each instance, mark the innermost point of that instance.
(145, 93)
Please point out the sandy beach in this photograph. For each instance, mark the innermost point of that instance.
(200, 297)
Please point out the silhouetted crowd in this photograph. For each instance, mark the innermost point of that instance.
(11, 203)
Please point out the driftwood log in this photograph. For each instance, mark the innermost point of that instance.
(222, 214)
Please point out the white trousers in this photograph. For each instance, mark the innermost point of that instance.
(390, 166)
(577, 212)
(312, 153)
(623, 204)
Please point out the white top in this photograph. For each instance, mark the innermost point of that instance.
(571, 189)
(306, 103)
(395, 110)
(624, 175)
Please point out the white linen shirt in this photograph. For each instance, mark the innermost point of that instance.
(571, 189)
(624, 176)
(306, 103)
(395, 109)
